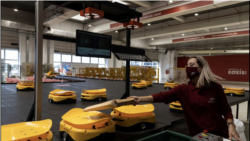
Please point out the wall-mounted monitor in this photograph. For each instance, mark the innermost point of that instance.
(92, 44)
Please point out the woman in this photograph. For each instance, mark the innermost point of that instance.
(202, 99)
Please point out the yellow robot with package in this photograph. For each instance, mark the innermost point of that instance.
(25, 85)
(149, 83)
(49, 75)
(170, 85)
(62, 96)
(27, 131)
(134, 118)
(234, 91)
(93, 95)
(139, 85)
(175, 106)
(78, 125)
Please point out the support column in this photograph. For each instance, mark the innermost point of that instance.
(45, 48)
(51, 52)
(31, 49)
(22, 55)
(22, 48)
(38, 60)
(127, 85)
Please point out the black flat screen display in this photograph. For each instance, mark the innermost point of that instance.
(92, 44)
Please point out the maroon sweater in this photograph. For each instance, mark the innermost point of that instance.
(203, 107)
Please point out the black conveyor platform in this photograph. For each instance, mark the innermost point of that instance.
(16, 104)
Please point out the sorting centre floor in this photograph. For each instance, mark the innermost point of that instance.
(17, 104)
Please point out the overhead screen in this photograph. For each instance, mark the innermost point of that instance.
(92, 44)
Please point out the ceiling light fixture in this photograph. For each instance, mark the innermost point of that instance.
(152, 38)
(78, 17)
(196, 14)
(212, 48)
(15, 10)
(183, 34)
(225, 28)
(116, 31)
(170, 1)
(149, 24)
(119, 1)
(89, 25)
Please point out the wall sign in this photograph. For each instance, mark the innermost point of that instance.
(212, 36)
(229, 67)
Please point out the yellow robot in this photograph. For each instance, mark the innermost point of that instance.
(170, 85)
(175, 106)
(27, 131)
(134, 118)
(62, 96)
(140, 85)
(149, 83)
(49, 75)
(25, 85)
(93, 95)
(78, 125)
(234, 91)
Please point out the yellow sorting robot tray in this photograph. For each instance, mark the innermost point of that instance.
(132, 118)
(78, 125)
(62, 96)
(27, 131)
(93, 95)
(234, 91)
(49, 75)
(25, 87)
(141, 85)
(170, 85)
(149, 83)
(175, 106)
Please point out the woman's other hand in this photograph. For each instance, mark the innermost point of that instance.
(233, 133)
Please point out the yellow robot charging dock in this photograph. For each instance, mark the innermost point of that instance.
(27, 131)
(176, 107)
(94, 95)
(25, 85)
(170, 85)
(78, 125)
(62, 96)
(140, 85)
(234, 91)
(134, 118)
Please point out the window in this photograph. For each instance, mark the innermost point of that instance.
(57, 57)
(2, 54)
(57, 67)
(94, 60)
(101, 66)
(11, 54)
(76, 59)
(101, 61)
(14, 66)
(85, 59)
(66, 58)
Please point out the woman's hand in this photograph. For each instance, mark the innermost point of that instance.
(233, 133)
(137, 100)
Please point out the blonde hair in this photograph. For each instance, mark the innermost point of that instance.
(206, 75)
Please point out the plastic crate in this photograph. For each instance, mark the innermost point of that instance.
(167, 136)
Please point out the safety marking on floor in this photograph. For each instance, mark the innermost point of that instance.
(9, 89)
